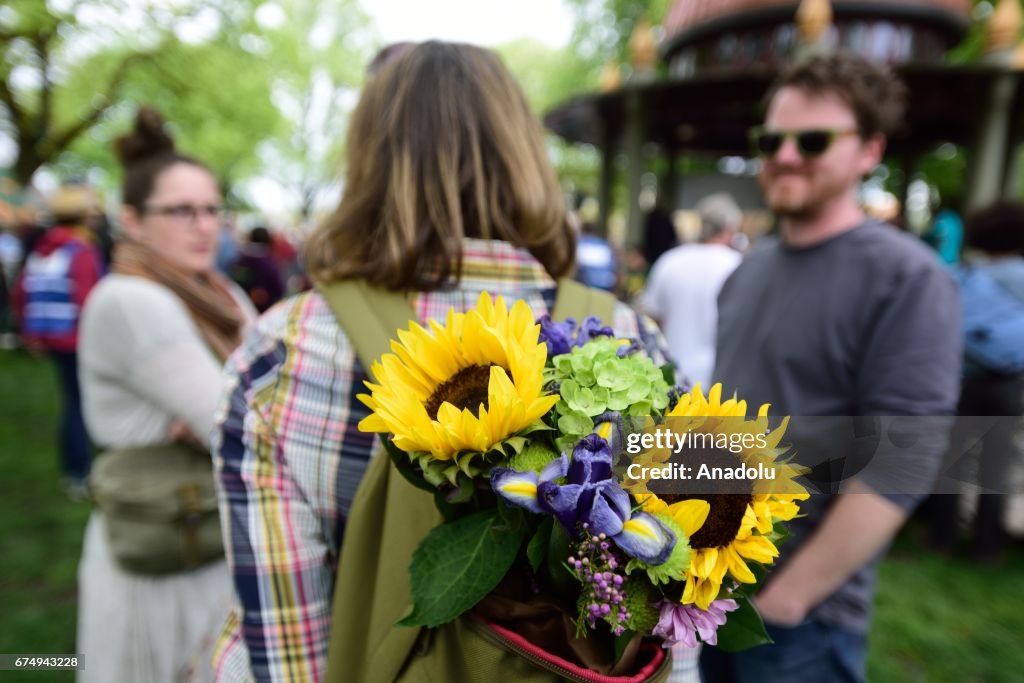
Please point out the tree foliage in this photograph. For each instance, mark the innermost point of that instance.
(603, 27)
(74, 71)
(319, 56)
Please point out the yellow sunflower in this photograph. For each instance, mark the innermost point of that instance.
(462, 387)
(733, 524)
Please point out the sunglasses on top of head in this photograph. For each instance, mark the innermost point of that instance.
(811, 142)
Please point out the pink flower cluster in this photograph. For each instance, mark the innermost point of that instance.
(680, 623)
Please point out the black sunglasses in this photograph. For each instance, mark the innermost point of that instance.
(810, 143)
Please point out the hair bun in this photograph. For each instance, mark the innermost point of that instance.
(147, 139)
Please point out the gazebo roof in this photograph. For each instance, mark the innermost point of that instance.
(945, 105)
(690, 20)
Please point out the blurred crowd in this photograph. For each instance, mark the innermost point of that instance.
(829, 312)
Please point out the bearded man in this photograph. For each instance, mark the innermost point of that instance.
(841, 316)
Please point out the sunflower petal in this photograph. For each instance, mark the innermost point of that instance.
(690, 515)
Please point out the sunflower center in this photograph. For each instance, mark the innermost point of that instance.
(467, 388)
(728, 498)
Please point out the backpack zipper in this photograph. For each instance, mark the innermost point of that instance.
(481, 627)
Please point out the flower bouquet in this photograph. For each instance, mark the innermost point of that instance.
(558, 527)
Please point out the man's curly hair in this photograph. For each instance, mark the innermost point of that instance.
(873, 92)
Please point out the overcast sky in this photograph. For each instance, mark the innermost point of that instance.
(483, 22)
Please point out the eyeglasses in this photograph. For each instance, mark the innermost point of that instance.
(186, 213)
(810, 143)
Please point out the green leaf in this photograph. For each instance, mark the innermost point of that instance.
(668, 374)
(743, 629)
(558, 554)
(450, 511)
(537, 549)
(463, 490)
(457, 564)
(405, 466)
(513, 519)
(621, 642)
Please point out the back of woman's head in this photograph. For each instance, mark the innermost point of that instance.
(145, 153)
(442, 146)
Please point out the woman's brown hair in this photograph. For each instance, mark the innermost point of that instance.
(442, 146)
(145, 153)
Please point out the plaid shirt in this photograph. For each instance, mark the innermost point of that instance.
(289, 457)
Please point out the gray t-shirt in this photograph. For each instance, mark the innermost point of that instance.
(866, 323)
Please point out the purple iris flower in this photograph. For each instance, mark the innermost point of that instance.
(558, 336)
(562, 337)
(593, 496)
(591, 328)
(629, 350)
(521, 488)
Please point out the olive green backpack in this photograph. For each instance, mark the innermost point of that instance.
(388, 519)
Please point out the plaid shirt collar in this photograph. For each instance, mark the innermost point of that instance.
(498, 263)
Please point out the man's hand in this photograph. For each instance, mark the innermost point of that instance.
(777, 607)
(859, 525)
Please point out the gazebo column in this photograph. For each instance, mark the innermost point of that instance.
(908, 164)
(643, 55)
(606, 182)
(986, 179)
(1013, 167)
(669, 181)
(634, 150)
(988, 164)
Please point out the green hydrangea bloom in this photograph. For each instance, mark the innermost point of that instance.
(593, 379)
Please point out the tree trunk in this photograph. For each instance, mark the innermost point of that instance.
(27, 164)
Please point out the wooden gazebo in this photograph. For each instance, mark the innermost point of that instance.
(722, 54)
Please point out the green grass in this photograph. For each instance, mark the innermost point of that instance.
(936, 619)
(939, 619)
(40, 528)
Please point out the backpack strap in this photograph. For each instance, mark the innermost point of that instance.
(368, 315)
(389, 516)
(576, 300)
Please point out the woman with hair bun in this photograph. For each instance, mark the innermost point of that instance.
(154, 336)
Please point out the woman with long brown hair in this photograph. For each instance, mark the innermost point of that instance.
(448, 193)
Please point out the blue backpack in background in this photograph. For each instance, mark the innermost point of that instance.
(993, 322)
(595, 263)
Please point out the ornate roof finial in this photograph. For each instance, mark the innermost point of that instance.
(611, 76)
(1003, 27)
(643, 49)
(813, 19)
